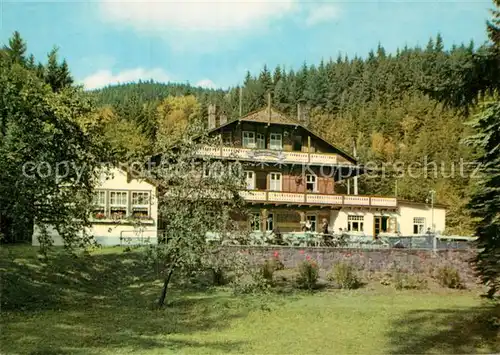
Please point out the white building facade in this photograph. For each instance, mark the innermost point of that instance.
(125, 211)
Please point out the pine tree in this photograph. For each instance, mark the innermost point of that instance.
(277, 75)
(485, 203)
(493, 26)
(439, 43)
(55, 74)
(265, 79)
(65, 78)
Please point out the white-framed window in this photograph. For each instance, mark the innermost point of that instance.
(311, 183)
(275, 141)
(261, 141)
(141, 204)
(99, 202)
(248, 139)
(311, 222)
(355, 223)
(418, 225)
(255, 221)
(270, 222)
(250, 180)
(118, 204)
(275, 181)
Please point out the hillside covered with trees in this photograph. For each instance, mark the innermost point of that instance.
(379, 103)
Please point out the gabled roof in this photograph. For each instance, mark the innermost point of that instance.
(277, 117)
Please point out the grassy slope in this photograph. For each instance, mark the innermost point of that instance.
(102, 305)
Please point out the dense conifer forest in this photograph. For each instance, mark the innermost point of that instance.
(381, 103)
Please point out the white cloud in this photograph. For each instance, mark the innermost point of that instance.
(322, 13)
(206, 83)
(103, 78)
(195, 15)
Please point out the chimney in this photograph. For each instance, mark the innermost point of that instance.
(241, 102)
(211, 116)
(354, 152)
(222, 119)
(302, 116)
(269, 106)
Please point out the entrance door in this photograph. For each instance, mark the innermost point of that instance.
(381, 225)
(250, 180)
(275, 182)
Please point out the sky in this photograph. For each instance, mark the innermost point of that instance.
(214, 43)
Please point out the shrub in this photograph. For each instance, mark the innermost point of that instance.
(308, 274)
(267, 270)
(405, 281)
(252, 283)
(270, 266)
(448, 276)
(345, 276)
(218, 277)
(278, 265)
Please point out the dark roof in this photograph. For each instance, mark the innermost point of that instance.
(277, 117)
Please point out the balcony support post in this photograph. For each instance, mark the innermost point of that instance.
(308, 149)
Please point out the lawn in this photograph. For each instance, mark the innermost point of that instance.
(101, 304)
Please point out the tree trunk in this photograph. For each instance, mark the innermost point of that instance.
(161, 300)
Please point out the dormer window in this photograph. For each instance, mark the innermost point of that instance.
(248, 139)
(275, 141)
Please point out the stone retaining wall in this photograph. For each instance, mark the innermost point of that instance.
(369, 260)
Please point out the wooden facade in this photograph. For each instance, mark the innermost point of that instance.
(290, 173)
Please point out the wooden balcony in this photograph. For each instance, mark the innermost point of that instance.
(270, 156)
(317, 199)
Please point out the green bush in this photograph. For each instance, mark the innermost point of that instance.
(219, 277)
(252, 283)
(405, 281)
(267, 270)
(278, 265)
(449, 277)
(344, 275)
(269, 267)
(308, 274)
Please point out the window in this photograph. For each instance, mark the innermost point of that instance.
(118, 204)
(418, 225)
(140, 204)
(275, 141)
(261, 141)
(355, 223)
(275, 182)
(270, 222)
(311, 183)
(99, 210)
(248, 139)
(250, 180)
(311, 221)
(255, 221)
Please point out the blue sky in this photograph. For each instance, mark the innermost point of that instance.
(213, 43)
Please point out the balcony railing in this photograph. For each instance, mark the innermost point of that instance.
(317, 199)
(268, 155)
